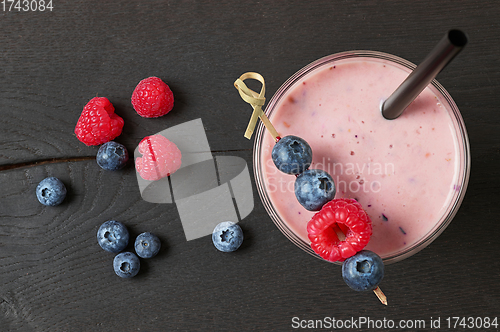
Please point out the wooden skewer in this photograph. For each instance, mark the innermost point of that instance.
(256, 100)
(381, 296)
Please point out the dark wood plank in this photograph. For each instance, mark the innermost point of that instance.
(53, 274)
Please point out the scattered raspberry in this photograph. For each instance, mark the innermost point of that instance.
(160, 158)
(152, 98)
(339, 216)
(98, 122)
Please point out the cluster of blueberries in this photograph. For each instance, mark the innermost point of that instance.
(313, 189)
(113, 236)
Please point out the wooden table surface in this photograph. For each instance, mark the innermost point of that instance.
(53, 274)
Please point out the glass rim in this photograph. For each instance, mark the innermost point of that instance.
(462, 138)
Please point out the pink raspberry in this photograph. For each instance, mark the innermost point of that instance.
(152, 98)
(98, 122)
(160, 158)
(340, 215)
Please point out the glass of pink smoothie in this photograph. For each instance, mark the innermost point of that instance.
(409, 174)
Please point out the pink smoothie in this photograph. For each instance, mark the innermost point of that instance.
(403, 172)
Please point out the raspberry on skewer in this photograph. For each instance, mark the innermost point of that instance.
(347, 216)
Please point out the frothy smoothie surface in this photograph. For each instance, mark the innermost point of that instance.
(403, 172)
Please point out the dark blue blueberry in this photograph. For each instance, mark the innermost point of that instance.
(292, 155)
(147, 245)
(363, 271)
(112, 236)
(314, 188)
(126, 265)
(51, 191)
(112, 156)
(227, 236)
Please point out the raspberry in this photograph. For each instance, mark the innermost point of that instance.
(98, 122)
(160, 158)
(152, 98)
(339, 215)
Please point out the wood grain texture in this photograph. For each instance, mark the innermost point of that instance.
(54, 276)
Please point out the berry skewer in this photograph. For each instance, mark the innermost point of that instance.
(341, 228)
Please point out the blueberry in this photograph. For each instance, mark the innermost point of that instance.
(292, 155)
(147, 245)
(363, 271)
(112, 236)
(112, 156)
(314, 188)
(126, 265)
(227, 236)
(51, 191)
